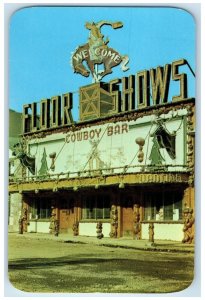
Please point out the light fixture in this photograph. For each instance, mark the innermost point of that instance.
(121, 185)
(75, 188)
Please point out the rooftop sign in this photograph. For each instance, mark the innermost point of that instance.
(145, 89)
(97, 52)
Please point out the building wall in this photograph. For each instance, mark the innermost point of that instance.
(89, 229)
(15, 203)
(171, 232)
(38, 226)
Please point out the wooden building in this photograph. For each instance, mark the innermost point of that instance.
(119, 168)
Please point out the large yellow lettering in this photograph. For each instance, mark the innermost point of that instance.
(160, 79)
(176, 76)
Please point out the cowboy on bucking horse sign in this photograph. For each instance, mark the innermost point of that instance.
(96, 52)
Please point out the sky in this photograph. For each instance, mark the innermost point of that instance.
(41, 40)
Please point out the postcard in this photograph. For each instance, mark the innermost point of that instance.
(101, 149)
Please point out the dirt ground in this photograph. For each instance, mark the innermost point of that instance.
(51, 266)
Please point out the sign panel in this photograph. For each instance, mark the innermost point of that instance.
(149, 143)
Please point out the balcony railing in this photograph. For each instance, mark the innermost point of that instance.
(138, 169)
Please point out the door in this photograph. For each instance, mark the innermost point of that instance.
(66, 216)
(127, 216)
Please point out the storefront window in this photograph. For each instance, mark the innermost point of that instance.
(40, 209)
(163, 206)
(96, 207)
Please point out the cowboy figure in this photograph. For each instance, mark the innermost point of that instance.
(96, 37)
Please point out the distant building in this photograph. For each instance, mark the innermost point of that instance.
(15, 168)
(15, 127)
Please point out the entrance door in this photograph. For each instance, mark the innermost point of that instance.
(127, 216)
(66, 215)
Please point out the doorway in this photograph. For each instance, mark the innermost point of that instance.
(66, 215)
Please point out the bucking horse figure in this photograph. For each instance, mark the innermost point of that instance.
(96, 52)
(25, 160)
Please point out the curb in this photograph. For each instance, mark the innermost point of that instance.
(146, 247)
(152, 248)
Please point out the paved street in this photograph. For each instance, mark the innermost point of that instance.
(54, 265)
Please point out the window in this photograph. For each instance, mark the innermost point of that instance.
(41, 208)
(163, 206)
(96, 207)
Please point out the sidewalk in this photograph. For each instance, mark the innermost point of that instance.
(127, 243)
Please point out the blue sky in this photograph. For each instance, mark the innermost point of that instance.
(41, 40)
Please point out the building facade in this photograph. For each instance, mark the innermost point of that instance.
(117, 172)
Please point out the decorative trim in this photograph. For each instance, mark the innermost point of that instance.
(162, 222)
(136, 221)
(114, 221)
(125, 116)
(106, 180)
(190, 144)
(99, 228)
(75, 228)
(188, 225)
